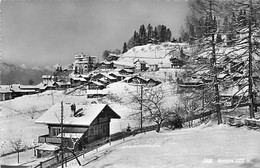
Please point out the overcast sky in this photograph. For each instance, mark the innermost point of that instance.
(46, 32)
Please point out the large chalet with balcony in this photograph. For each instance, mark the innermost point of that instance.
(82, 124)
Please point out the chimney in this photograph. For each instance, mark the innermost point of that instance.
(73, 109)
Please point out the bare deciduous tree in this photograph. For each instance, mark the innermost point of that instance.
(17, 144)
(154, 106)
(32, 111)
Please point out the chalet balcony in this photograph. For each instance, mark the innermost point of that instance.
(47, 139)
(55, 140)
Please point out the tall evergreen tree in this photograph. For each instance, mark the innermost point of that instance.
(124, 48)
(149, 31)
(168, 35)
(142, 35)
(156, 34)
(136, 39)
(162, 34)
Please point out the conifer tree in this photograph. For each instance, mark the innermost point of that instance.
(124, 48)
(149, 31)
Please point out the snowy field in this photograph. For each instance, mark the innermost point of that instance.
(202, 147)
(16, 121)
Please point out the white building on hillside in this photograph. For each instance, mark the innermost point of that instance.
(84, 63)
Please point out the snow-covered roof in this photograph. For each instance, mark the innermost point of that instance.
(221, 76)
(79, 79)
(84, 76)
(5, 90)
(108, 76)
(103, 80)
(124, 63)
(115, 73)
(234, 91)
(127, 70)
(106, 62)
(28, 87)
(98, 92)
(47, 147)
(90, 112)
(46, 76)
(97, 83)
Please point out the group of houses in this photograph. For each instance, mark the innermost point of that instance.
(230, 72)
(8, 92)
(82, 124)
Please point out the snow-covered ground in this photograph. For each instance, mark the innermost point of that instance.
(202, 147)
(153, 53)
(16, 121)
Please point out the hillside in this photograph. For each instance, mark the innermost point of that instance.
(11, 74)
(153, 53)
(201, 147)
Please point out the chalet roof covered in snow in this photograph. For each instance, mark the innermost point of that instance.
(89, 113)
(124, 63)
(79, 79)
(97, 83)
(47, 147)
(235, 91)
(5, 89)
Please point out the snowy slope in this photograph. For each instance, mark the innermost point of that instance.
(214, 147)
(153, 53)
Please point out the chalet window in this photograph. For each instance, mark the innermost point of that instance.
(56, 131)
(91, 131)
(104, 129)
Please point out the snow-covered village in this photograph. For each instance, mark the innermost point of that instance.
(182, 91)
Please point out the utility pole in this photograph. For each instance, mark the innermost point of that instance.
(61, 145)
(250, 76)
(214, 60)
(141, 108)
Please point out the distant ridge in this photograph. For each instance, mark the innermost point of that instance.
(11, 74)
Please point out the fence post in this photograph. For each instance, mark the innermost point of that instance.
(109, 141)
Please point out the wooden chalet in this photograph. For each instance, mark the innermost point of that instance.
(113, 57)
(20, 90)
(95, 85)
(126, 71)
(106, 65)
(136, 80)
(193, 83)
(47, 79)
(95, 93)
(153, 67)
(140, 65)
(231, 96)
(5, 92)
(103, 81)
(105, 76)
(117, 75)
(82, 124)
(41, 87)
(62, 85)
(76, 81)
(123, 65)
(140, 80)
(151, 82)
(177, 62)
